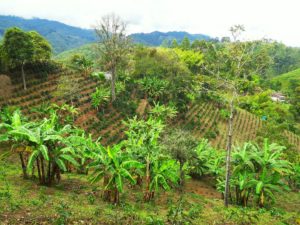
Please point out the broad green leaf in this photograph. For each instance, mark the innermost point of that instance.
(32, 158)
(69, 159)
(44, 151)
(61, 164)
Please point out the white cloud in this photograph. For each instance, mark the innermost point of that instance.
(274, 19)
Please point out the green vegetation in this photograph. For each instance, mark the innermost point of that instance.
(284, 80)
(181, 134)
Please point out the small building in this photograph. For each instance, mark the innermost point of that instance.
(278, 97)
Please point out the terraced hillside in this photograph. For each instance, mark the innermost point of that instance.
(109, 125)
(203, 119)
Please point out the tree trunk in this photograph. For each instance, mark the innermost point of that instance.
(25, 175)
(106, 193)
(148, 194)
(39, 170)
(43, 171)
(23, 76)
(117, 196)
(49, 175)
(139, 180)
(113, 84)
(228, 154)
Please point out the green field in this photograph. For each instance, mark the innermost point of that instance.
(286, 78)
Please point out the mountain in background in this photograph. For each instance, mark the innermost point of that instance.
(64, 37)
(61, 36)
(156, 38)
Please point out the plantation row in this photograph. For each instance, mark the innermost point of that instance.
(39, 92)
(205, 120)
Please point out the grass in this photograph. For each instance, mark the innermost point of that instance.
(285, 79)
(75, 201)
(87, 50)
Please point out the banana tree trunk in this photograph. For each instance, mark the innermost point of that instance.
(106, 193)
(43, 171)
(25, 175)
(117, 196)
(39, 170)
(148, 194)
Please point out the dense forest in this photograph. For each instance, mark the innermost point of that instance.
(192, 130)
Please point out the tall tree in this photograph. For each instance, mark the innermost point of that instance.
(233, 65)
(174, 43)
(42, 48)
(114, 46)
(185, 44)
(19, 49)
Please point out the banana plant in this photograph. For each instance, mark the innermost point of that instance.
(294, 177)
(114, 167)
(259, 171)
(265, 186)
(164, 173)
(84, 147)
(163, 112)
(48, 151)
(11, 122)
(203, 158)
(44, 141)
(99, 97)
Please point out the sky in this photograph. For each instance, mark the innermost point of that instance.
(272, 19)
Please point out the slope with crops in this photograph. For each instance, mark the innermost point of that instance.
(209, 120)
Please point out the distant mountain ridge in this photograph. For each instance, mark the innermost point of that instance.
(65, 37)
(61, 36)
(156, 38)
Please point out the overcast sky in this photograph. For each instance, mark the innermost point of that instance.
(275, 19)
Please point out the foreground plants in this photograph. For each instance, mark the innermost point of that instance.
(41, 145)
(258, 172)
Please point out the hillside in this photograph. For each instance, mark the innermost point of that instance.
(156, 38)
(202, 119)
(64, 37)
(286, 78)
(61, 36)
(88, 50)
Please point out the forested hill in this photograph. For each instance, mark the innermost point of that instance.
(61, 36)
(64, 37)
(157, 38)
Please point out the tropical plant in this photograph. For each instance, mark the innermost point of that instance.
(163, 112)
(114, 167)
(203, 160)
(153, 87)
(162, 173)
(81, 63)
(100, 96)
(258, 171)
(11, 122)
(44, 140)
